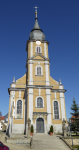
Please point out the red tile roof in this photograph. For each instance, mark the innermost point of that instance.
(74, 117)
(2, 117)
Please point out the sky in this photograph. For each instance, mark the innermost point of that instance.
(59, 20)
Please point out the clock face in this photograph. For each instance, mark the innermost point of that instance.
(38, 42)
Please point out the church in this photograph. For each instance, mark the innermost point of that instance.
(36, 95)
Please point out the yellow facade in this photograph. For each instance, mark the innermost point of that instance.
(36, 95)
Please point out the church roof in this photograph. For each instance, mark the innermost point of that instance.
(36, 32)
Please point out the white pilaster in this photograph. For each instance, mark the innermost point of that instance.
(31, 83)
(48, 106)
(55, 94)
(31, 73)
(31, 104)
(62, 103)
(31, 50)
(47, 72)
(39, 92)
(19, 94)
(47, 90)
(45, 51)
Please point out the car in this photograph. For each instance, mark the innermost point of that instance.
(3, 147)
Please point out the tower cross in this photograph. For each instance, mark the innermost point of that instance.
(36, 11)
(35, 8)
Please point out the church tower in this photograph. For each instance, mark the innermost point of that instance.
(36, 95)
(40, 86)
(38, 74)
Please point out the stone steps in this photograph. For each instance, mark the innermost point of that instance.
(18, 136)
(47, 142)
(18, 140)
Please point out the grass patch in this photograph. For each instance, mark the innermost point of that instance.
(76, 137)
(59, 134)
(76, 146)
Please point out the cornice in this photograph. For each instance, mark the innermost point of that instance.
(15, 89)
(39, 86)
(58, 90)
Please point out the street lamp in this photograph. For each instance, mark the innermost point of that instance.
(70, 126)
(70, 130)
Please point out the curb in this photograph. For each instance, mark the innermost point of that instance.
(66, 142)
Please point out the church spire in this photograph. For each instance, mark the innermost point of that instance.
(36, 32)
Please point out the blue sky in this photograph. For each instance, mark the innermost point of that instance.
(59, 20)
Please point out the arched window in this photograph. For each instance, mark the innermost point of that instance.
(38, 49)
(56, 110)
(38, 71)
(19, 109)
(39, 102)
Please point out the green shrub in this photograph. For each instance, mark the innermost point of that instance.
(32, 130)
(51, 129)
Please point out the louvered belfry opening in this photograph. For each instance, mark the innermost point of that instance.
(38, 49)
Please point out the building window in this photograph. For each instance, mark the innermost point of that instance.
(19, 109)
(56, 110)
(38, 71)
(6, 119)
(38, 49)
(39, 102)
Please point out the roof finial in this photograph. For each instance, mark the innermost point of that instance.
(14, 79)
(36, 12)
(60, 81)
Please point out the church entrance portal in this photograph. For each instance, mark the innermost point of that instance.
(40, 125)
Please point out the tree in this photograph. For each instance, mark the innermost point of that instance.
(75, 119)
(0, 113)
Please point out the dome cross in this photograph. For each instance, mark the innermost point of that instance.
(36, 11)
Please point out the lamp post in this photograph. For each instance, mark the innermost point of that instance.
(70, 130)
(70, 126)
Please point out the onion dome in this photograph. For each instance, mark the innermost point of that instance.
(36, 32)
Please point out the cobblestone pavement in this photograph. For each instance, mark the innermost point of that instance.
(42, 141)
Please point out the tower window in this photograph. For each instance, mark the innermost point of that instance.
(39, 102)
(38, 49)
(56, 110)
(38, 71)
(19, 109)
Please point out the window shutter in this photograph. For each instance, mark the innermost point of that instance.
(38, 49)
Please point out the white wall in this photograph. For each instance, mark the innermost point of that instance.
(1, 125)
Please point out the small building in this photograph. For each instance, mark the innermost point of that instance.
(2, 118)
(73, 118)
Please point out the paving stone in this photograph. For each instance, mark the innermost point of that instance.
(47, 142)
